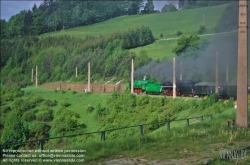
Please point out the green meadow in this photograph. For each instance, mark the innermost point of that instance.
(198, 143)
(187, 21)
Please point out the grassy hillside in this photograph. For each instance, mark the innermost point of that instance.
(79, 102)
(115, 110)
(162, 49)
(168, 24)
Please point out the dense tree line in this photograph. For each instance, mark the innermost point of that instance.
(57, 57)
(61, 14)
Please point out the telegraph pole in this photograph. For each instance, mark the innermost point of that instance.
(216, 74)
(88, 77)
(174, 80)
(36, 76)
(242, 107)
(132, 76)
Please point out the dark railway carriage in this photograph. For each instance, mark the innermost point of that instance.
(228, 90)
(204, 88)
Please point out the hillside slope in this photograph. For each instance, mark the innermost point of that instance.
(168, 24)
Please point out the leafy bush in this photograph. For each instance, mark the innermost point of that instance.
(201, 29)
(50, 103)
(66, 121)
(28, 116)
(208, 101)
(37, 100)
(14, 130)
(23, 105)
(90, 108)
(178, 33)
(45, 115)
(144, 100)
(65, 104)
(5, 109)
(39, 128)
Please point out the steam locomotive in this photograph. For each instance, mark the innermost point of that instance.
(185, 88)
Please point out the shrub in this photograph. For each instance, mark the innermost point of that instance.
(202, 29)
(161, 35)
(5, 109)
(90, 108)
(23, 105)
(38, 99)
(49, 103)
(178, 33)
(14, 130)
(29, 116)
(65, 104)
(39, 128)
(45, 115)
(66, 121)
(74, 92)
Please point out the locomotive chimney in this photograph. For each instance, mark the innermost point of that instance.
(88, 77)
(36, 76)
(216, 74)
(174, 83)
(132, 76)
(242, 107)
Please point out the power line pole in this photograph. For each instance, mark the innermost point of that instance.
(174, 80)
(242, 107)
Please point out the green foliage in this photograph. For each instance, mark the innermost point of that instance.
(65, 103)
(168, 8)
(28, 116)
(14, 130)
(71, 14)
(38, 129)
(22, 105)
(143, 100)
(190, 46)
(5, 109)
(178, 33)
(66, 120)
(45, 114)
(10, 93)
(201, 29)
(208, 101)
(90, 108)
(49, 103)
(57, 57)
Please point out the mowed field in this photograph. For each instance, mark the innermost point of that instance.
(187, 21)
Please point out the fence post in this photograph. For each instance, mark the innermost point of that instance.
(40, 144)
(187, 122)
(141, 129)
(168, 125)
(103, 136)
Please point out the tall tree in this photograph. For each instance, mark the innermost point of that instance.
(149, 7)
